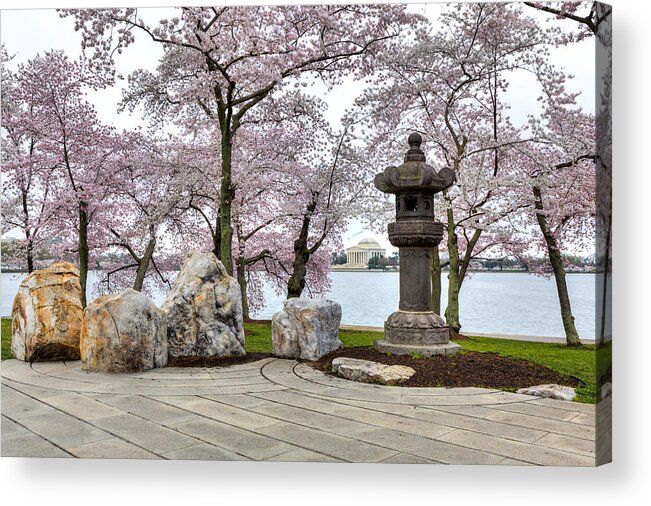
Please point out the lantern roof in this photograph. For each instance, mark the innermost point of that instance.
(415, 175)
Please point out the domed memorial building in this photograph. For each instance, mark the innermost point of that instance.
(358, 256)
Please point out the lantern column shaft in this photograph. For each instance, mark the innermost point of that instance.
(415, 279)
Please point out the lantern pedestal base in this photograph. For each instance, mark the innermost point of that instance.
(421, 332)
(410, 349)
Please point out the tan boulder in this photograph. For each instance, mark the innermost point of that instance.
(371, 372)
(123, 332)
(46, 315)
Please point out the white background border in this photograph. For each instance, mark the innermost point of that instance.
(626, 481)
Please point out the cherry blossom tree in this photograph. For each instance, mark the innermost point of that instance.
(593, 19)
(450, 85)
(300, 186)
(589, 20)
(588, 15)
(27, 177)
(225, 61)
(265, 153)
(558, 172)
(146, 205)
(75, 145)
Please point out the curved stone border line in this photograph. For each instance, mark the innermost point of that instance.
(308, 373)
(278, 409)
(259, 376)
(286, 374)
(56, 376)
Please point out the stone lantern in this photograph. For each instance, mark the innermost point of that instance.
(415, 328)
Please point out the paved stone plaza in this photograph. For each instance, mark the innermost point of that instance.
(280, 410)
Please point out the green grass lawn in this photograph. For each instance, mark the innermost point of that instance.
(582, 363)
(6, 338)
(258, 337)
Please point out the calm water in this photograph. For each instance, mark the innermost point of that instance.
(509, 303)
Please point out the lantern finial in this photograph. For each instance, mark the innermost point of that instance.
(415, 154)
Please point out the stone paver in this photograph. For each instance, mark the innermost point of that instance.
(281, 410)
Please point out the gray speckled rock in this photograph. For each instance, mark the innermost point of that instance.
(123, 332)
(367, 371)
(46, 315)
(551, 391)
(606, 390)
(204, 310)
(306, 328)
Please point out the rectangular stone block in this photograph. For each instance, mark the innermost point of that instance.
(347, 449)
(148, 435)
(424, 447)
(570, 444)
(252, 445)
(227, 413)
(303, 455)
(320, 421)
(404, 458)
(567, 405)
(357, 414)
(203, 451)
(147, 408)
(239, 400)
(62, 429)
(515, 450)
(529, 408)
(82, 407)
(545, 424)
(112, 448)
(30, 445)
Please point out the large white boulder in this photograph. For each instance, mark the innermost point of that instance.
(306, 328)
(123, 332)
(367, 371)
(551, 391)
(46, 315)
(204, 310)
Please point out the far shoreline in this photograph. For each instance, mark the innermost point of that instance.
(19, 271)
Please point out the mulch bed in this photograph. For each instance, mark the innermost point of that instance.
(469, 369)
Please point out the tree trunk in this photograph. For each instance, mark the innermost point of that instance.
(571, 335)
(225, 200)
(241, 279)
(143, 265)
(603, 303)
(83, 251)
(30, 252)
(436, 280)
(216, 238)
(296, 281)
(452, 311)
(470, 247)
(28, 234)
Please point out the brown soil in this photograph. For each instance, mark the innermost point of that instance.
(469, 369)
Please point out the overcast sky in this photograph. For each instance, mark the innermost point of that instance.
(26, 32)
